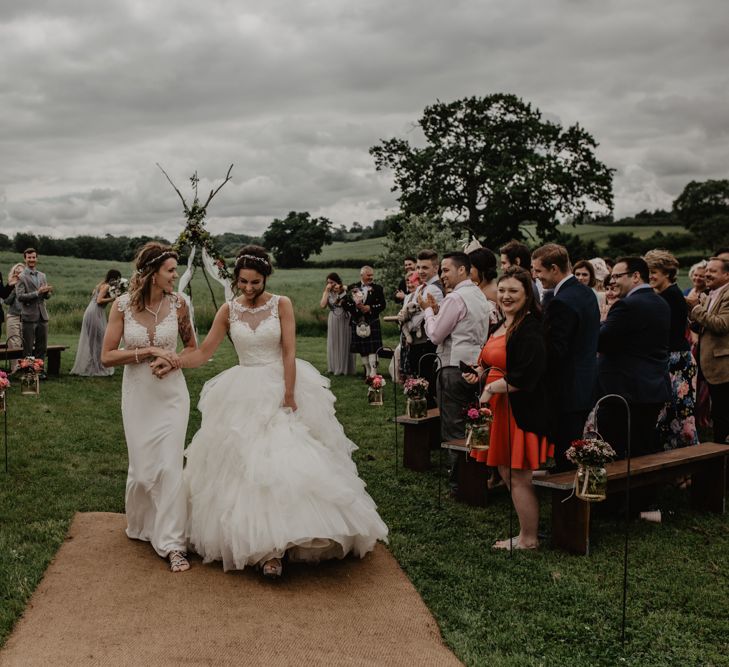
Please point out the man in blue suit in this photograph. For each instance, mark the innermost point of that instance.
(633, 360)
(571, 327)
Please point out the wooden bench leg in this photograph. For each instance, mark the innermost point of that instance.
(54, 362)
(570, 523)
(416, 448)
(708, 487)
(472, 482)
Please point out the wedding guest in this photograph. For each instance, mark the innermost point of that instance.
(600, 267)
(90, 342)
(421, 360)
(14, 330)
(483, 273)
(399, 367)
(458, 325)
(5, 292)
(702, 411)
(676, 424)
(408, 266)
(364, 308)
(571, 329)
(633, 361)
(339, 359)
(697, 276)
(32, 291)
(711, 313)
(611, 296)
(518, 443)
(584, 271)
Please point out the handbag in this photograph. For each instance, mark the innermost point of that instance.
(363, 329)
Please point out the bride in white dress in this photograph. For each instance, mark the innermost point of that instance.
(154, 411)
(270, 471)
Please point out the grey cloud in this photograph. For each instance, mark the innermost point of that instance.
(93, 94)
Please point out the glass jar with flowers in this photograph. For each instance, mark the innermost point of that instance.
(4, 384)
(590, 454)
(478, 427)
(30, 369)
(415, 389)
(374, 391)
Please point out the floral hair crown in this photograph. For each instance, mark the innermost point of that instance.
(255, 258)
(164, 255)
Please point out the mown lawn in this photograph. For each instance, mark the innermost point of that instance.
(67, 454)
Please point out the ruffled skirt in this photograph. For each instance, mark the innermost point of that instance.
(263, 480)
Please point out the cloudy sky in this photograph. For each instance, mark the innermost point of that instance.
(293, 92)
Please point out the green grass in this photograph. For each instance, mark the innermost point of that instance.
(74, 279)
(67, 454)
(366, 250)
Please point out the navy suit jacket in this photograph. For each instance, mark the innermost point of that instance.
(571, 328)
(633, 348)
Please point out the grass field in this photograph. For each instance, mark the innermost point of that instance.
(67, 454)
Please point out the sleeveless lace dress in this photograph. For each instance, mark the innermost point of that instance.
(264, 480)
(155, 413)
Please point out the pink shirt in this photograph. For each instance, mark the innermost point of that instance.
(452, 310)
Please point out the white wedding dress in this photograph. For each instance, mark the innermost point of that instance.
(264, 480)
(155, 414)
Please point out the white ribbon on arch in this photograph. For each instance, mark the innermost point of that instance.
(213, 271)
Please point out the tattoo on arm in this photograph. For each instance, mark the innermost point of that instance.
(185, 328)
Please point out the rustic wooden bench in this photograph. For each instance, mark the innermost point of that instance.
(706, 463)
(53, 355)
(471, 476)
(421, 436)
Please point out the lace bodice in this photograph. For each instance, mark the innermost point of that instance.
(256, 333)
(138, 335)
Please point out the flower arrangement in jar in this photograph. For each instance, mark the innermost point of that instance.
(590, 454)
(478, 427)
(4, 384)
(374, 390)
(30, 368)
(416, 390)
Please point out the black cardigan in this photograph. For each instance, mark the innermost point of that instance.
(526, 364)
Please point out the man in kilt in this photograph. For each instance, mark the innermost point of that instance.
(365, 302)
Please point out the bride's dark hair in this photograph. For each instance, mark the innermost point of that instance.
(252, 257)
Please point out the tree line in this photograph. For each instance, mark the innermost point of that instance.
(485, 167)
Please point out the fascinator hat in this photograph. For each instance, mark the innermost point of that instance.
(601, 269)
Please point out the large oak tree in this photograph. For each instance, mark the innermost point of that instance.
(296, 237)
(491, 164)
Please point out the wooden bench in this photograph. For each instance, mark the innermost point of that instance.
(421, 436)
(53, 354)
(706, 463)
(471, 476)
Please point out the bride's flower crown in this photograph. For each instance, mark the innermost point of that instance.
(164, 255)
(255, 258)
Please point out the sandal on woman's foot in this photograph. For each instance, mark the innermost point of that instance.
(272, 568)
(178, 561)
(511, 543)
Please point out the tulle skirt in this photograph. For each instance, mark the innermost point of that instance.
(264, 481)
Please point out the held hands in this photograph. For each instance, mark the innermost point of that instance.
(161, 367)
(362, 308)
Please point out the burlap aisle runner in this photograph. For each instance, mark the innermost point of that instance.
(108, 600)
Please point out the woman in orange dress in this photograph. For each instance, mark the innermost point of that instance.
(518, 443)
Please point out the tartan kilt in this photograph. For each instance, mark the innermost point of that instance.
(368, 345)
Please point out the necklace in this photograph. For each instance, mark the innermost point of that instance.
(154, 313)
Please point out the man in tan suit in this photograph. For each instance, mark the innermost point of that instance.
(711, 313)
